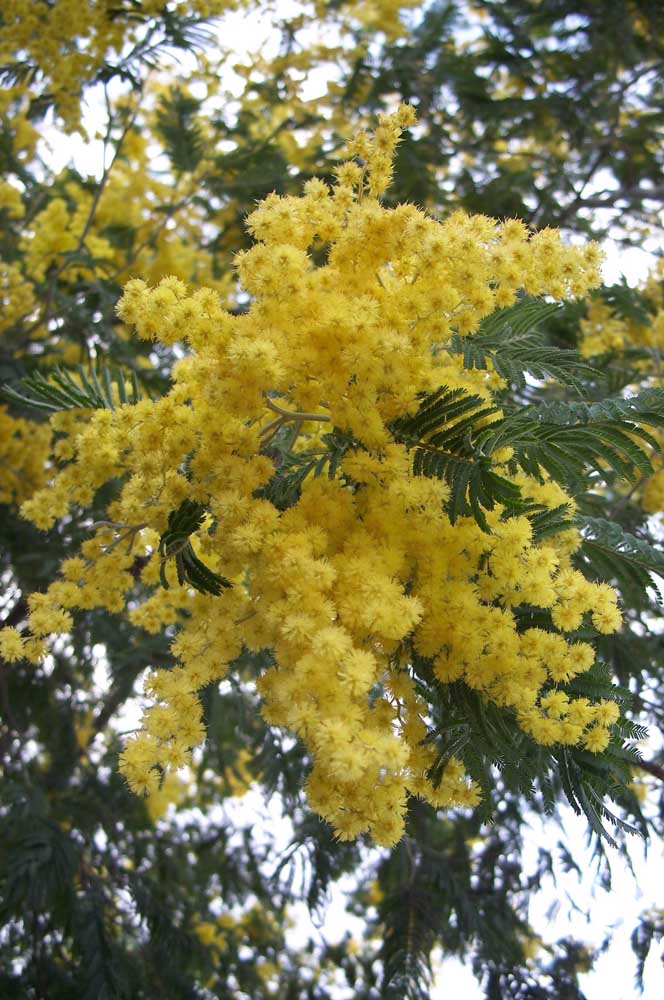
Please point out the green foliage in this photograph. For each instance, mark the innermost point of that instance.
(646, 407)
(38, 862)
(649, 929)
(511, 342)
(175, 544)
(182, 133)
(454, 434)
(633, 564)
(293, 467)
(452, 880)
(442, 435)
(481, 735)
(484, 736)
(103, 975)
(569, 441)
(505, 123)
(61, 389)
(409, 936)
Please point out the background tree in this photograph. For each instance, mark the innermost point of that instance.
(107, 894)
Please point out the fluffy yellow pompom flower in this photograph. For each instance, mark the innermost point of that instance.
(11, 645)
(355, 575)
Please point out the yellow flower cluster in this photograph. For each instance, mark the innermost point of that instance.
(17, 298)
(18, 129)
(366, 567)
(256, 926)
(68, 41)
(174, 790)
(652, 494)
(603, 331)
(211, 935)
(24, 450)
(56, 230)
(10, 200)
(75, 220)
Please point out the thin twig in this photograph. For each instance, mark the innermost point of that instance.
(295, 414)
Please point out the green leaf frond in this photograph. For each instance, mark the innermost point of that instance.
(588, 779)
(175, 544)
(294, 467)
(510, 342)
(18, 73)
(614, 555)
(627, 302)
(649, 930)
(547, 521)
(483, 736)
(645, 407)
(408, 935)
(454, 434)
(567, 440)
(181, 132)
(466, 725)
(597, 683)
(442, 435)
(80, 388)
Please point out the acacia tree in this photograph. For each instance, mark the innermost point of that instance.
(355, 508)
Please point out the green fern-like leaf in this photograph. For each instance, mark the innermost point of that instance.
(518, 319)
(293, 468)
(649, 929)
(453, 435)
(466, 725)
(442, 436)
(80, 388)
(408, 935)
(485, 737)
(510, 341)
(646, 407)
(609, 553)
(175, 544)
(102, 968)
(569, 440)
(547, 521)
(588, 779)
(597, 683)
(182, 134)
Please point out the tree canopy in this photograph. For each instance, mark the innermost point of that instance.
(331, 485)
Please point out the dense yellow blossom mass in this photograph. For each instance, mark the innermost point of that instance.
(350, 306)
(68, 41)
(63, 46)
(24, 450)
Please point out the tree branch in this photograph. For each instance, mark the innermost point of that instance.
(655, 769)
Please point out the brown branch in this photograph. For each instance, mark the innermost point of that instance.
(648, 765)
